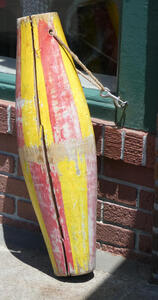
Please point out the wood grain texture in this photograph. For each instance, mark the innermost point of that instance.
(56, 145)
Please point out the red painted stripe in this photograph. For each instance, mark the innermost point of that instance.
(18, 65)
(20, 136)
(59, 200)
(42, 187)
(62, 109)
(92, 200)
(63, 114)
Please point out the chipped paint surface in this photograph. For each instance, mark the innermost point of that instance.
(56, 145)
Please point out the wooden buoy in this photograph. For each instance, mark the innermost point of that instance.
(56, 145)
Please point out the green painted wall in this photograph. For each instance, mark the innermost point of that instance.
(151, 88)
(138, 70)
(7, 86)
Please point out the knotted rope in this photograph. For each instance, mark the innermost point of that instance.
(91, 78)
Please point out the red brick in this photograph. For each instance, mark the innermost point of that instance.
(13, 120)
(26, 211)
(7, 204)
(129, 217)
(7, 163)
(103, 122)
(8, 143)
(145, 243)
(117, 251)
(98, 137)
(133, 147)
(146, 200)
(115, 235)
(112, 142)
(128, 172)
(13, 186)
(117, 192)
(99, 210)
(3, 118)
(150, 151)
(20, 173)
(145, 258)
(19, 224)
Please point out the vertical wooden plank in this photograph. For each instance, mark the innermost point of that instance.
(32, 153)
(58, 156)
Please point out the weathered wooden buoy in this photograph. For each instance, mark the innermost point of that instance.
(56, 145)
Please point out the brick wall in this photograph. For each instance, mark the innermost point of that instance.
(15, 206)
(125, 185)
(125, 190)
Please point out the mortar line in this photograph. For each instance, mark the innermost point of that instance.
(144, 150)
(123, 133)
(9, 130)
(120, 181)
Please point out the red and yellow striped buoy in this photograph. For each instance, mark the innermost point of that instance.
(56, 145)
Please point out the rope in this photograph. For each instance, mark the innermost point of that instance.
(91, 78)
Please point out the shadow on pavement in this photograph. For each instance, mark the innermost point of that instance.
(29, 247)
(117, 278)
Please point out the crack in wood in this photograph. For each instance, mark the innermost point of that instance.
(44, 150)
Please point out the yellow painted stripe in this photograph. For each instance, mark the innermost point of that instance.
(28, 94)
(32, 193)
(42, 95)
(77, 91)
(74, 177)
(74, 192)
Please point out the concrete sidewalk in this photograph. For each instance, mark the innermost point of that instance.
(26, 274)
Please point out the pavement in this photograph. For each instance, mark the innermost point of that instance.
(26, 274)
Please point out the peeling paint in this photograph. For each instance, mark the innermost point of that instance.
(56, 146)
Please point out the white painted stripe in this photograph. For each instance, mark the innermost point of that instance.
(144, 150)
(123, 133)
